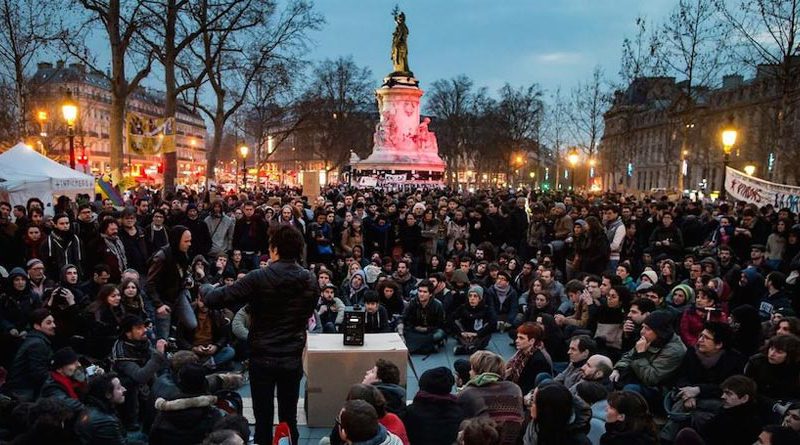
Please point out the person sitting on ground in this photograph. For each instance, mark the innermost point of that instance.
(628, 420)
(737, 423)
(31, 365)
(557, 417)
(358, 423)
(188, 418)
(575, 314)
(61, 383)
(330, 309)
(377, 318)
(473, 323)
(486, 393)
(653, 360)
(210, 339)
(776, 372)
(580, 348)
(631, 328)
(137, 366)
(777, 435)
(435, 415)
(99, 425)
(504, 301)
(704, 368)
(371, 395)
(423, 321)
(531, 358)
(705, 308)
(597, 369)
(385, 376)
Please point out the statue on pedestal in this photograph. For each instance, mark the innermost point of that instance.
(400, 45)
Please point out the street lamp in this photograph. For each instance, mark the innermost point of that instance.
(70, 111)
(573, 158)
(728, 140)
(750, 169)
(41, 116)
(243, 151)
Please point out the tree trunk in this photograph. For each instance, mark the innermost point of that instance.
(171, 99)
(116, 126)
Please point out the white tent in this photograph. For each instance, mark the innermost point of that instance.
(26, 174)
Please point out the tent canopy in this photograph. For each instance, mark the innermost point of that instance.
(25, 174)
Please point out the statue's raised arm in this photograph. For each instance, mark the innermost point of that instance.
(400, 46)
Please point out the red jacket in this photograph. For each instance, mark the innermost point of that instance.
(691, 323)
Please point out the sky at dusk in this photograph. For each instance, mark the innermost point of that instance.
(550, 42)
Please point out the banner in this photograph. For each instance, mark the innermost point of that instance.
(367, 181)
(760, 192)
(146, 135)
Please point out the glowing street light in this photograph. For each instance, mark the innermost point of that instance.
(573, 157)
(728, 140)
(750, 169)
(243, 151)
(70, 111)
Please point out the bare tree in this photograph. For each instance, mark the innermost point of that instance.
(640, 54)
(118, 23)
(339, 109)
(451, 102)
(555, 132)
(693, 45)
(589, 101)
(769, 32)
(26, 28)
(172, 31)
(519, 115)
(239, 49)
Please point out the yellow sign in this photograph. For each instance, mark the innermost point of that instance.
(149, 136)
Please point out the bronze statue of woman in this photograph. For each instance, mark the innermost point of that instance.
(400, 46)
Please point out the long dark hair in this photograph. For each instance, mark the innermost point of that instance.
(553, 412)
(637, 414)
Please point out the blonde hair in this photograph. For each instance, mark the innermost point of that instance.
(487, 361)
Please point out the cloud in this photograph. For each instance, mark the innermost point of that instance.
(559, 58)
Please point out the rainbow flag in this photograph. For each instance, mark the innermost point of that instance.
(108, 191)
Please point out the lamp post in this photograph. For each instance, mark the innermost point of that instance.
(70, 111)
(749, 169)
(573, 158)
(243, 151)
(728, 140)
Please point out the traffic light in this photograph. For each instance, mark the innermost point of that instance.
(160, 167)
(83, 159)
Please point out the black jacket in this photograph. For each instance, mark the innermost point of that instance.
(201, 237)
(136, 250)
(692, 372)
(281, 299)
(31, 365)
(165, 277)
(99, 425)
(378, 321)
(433, 419)
(480, 319)
(185, 420)
(615, 436)
(739, 425)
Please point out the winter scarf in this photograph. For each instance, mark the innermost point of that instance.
(117, 249)
(71, 386)
(502, 293)
(520, 358)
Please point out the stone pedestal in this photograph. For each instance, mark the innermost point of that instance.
(402, 145)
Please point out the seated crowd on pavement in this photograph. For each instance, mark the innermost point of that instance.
(633, 320)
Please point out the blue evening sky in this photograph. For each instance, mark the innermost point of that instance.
(549, 42)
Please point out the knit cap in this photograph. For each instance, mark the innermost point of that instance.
(476, 289)
(437, 381)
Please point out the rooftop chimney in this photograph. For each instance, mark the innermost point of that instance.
(732, 81)
(44, 65)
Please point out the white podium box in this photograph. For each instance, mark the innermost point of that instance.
(331, 368)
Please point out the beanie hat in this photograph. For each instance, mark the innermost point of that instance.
(651, 275)
(560, 205)
(437, 381)
(476, 289)
(459, 277)
(661, 322)
(688, 291)
(505, 274)
(62, 357)
(263, 259)
(643, 287)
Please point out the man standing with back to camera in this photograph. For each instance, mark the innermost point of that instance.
(281, 298)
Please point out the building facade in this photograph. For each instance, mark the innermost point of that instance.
(91, 93)
(652, 135)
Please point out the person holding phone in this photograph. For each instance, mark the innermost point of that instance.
(704, 309)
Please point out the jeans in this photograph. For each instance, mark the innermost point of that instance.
(181, 312)
(224, 355)
(265, 376)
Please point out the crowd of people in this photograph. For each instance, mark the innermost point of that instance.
(634, 321)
